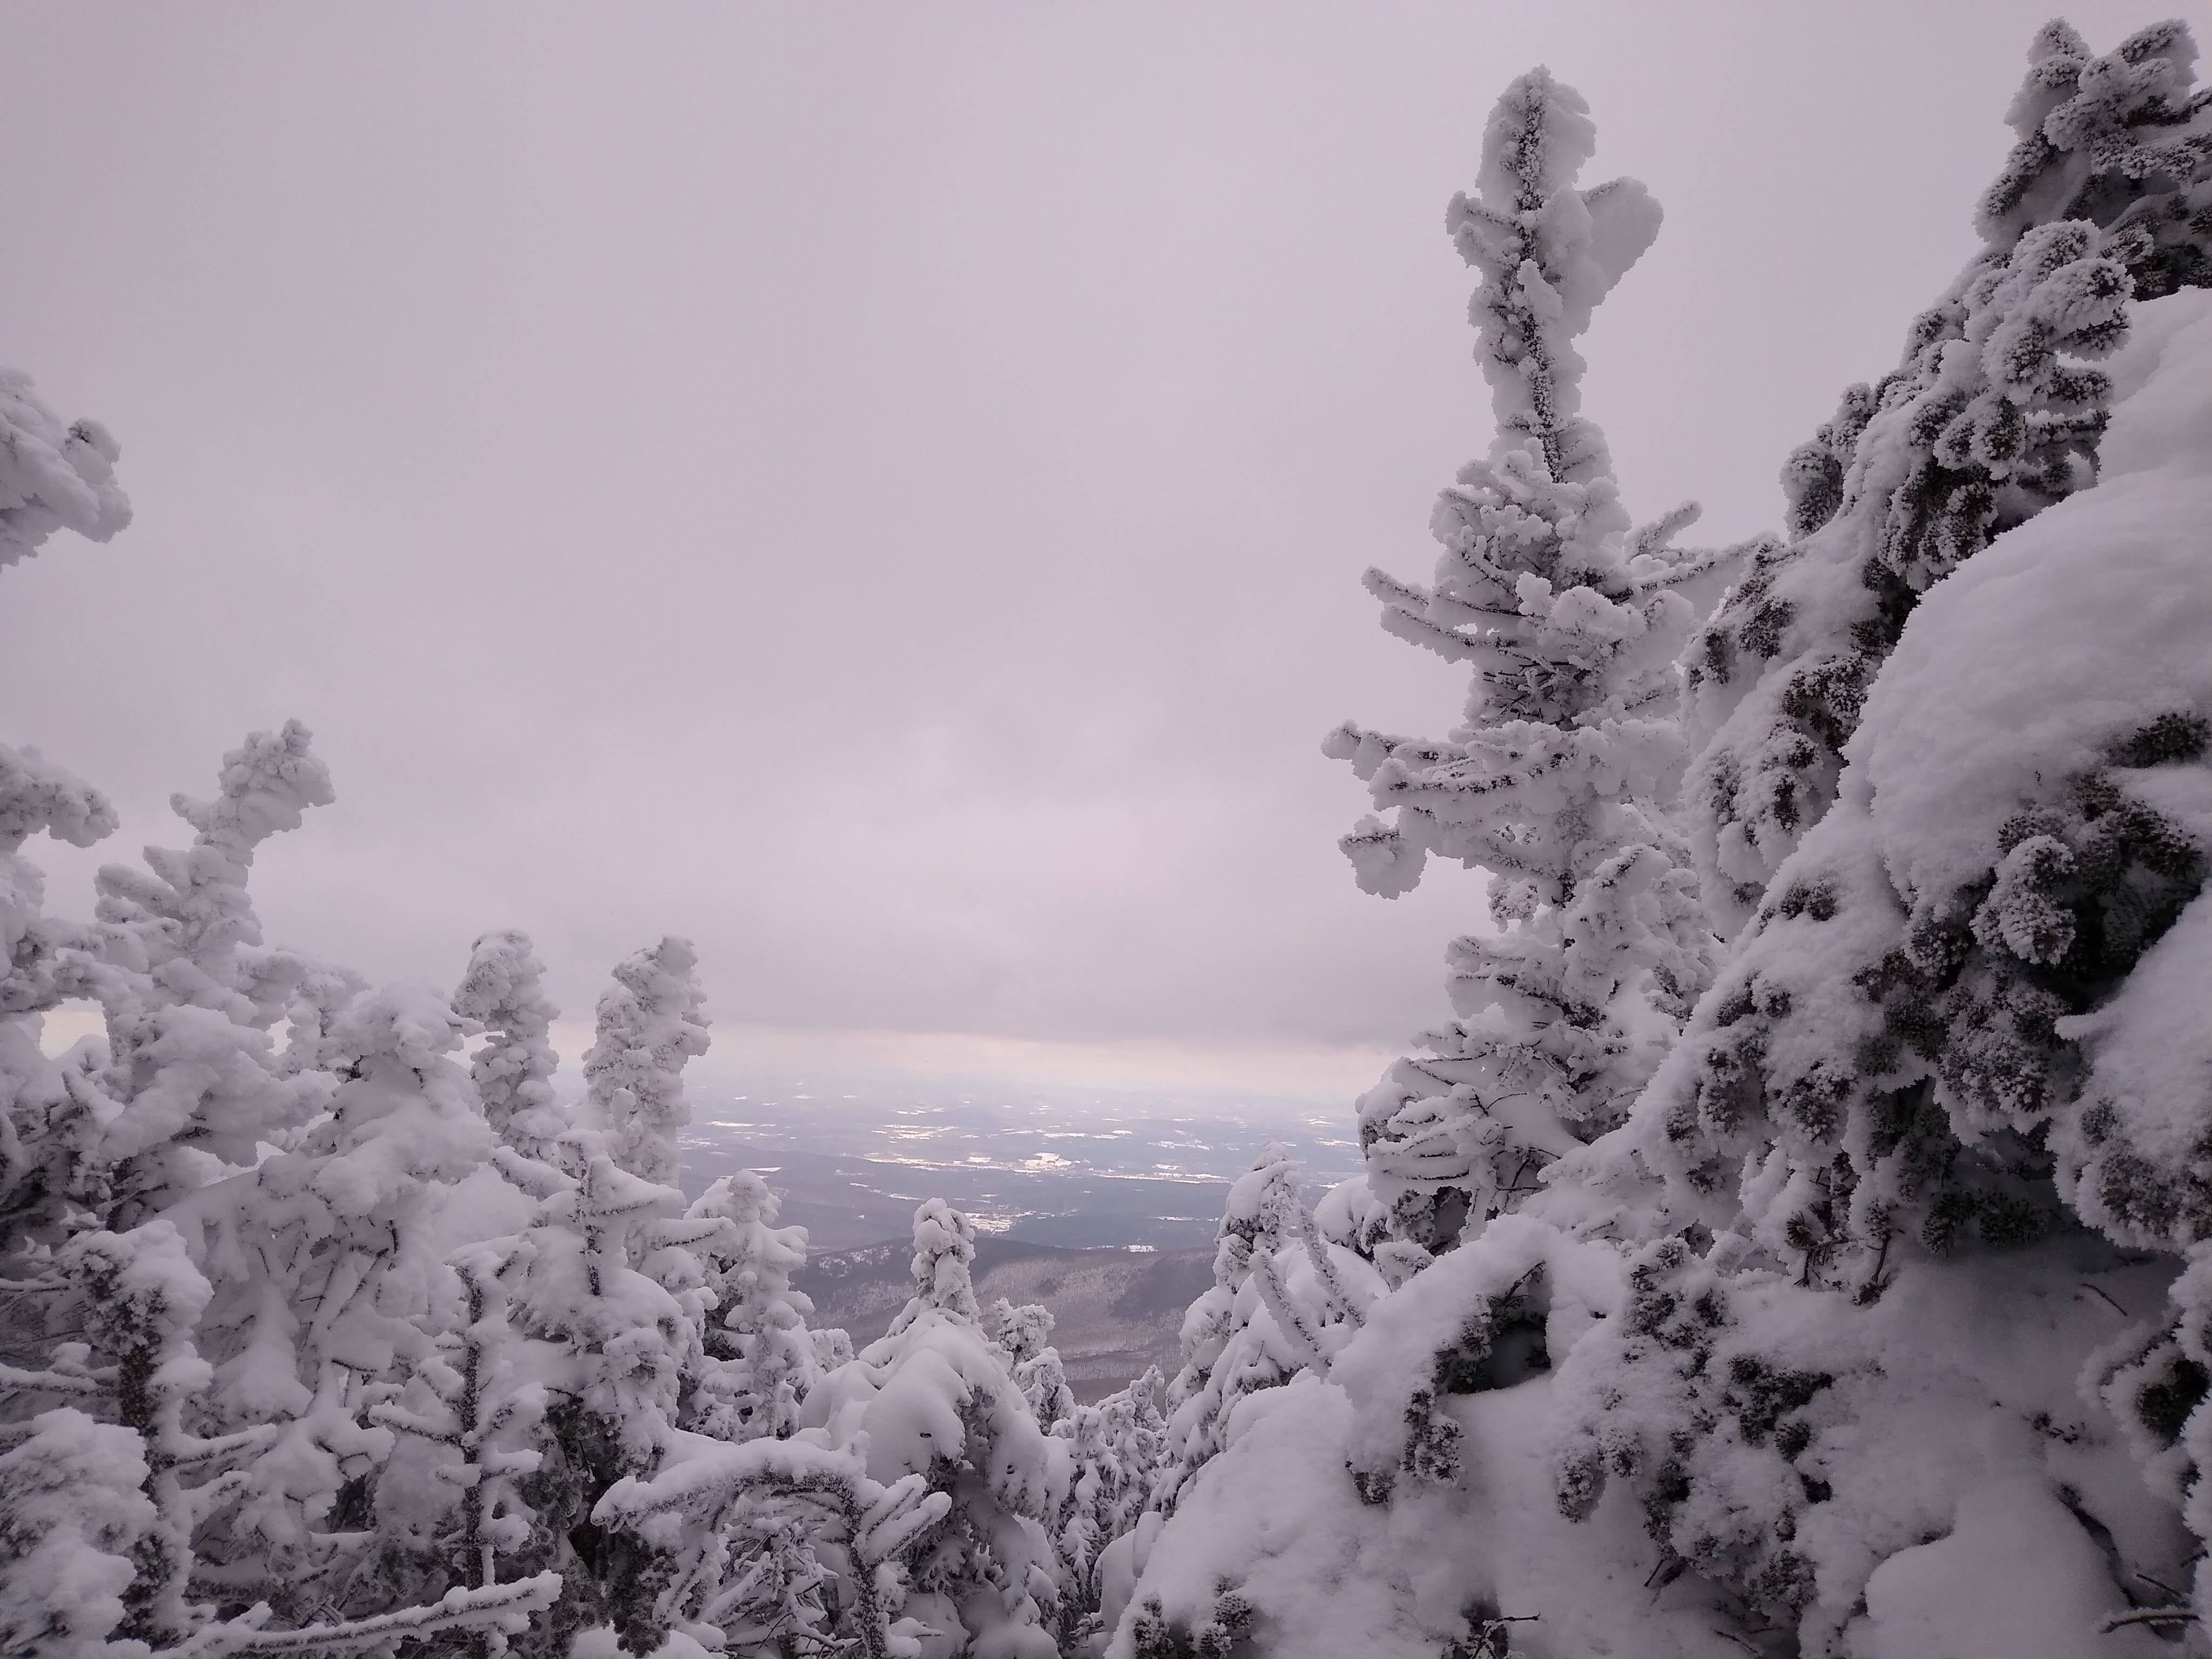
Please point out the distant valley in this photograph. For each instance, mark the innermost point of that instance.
(1077, 1172)
(1103, 1209)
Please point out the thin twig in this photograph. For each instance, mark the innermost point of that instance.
(2114, 1621)
(2096, 1291)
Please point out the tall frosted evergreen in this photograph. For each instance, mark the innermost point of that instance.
(1571, 624)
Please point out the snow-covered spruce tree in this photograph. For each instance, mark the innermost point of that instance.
(1025, 1335)
(173, 960)
(52, 476)
(1570, 742)
(1283, 1300)
(450, 1500)
(126, 1162)
(1135, 1436)
(502, 992)
(759, 1357)
(649, 1024)
(583, 1341)
(933, 1398)
(624, 1338)
(617, 1280)
(1931, 1020)
(325, 1259)
(1992, 415)
(143, 1296)
(1701, 1451)
(1095, 1479)
(943, 1266)
(747, 1529)
(1114, 1447)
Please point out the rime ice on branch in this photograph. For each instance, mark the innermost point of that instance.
(52, 477)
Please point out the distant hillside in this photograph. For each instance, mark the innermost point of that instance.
(1115, 1311)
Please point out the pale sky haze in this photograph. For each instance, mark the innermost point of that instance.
(883, 489)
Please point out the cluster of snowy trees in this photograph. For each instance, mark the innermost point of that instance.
(316, 1337)
(1800, 1242)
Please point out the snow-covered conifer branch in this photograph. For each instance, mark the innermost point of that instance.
(52, 477)
(506, 1608)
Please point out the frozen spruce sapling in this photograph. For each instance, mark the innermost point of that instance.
(1284, 1300)
(759, 1357)
(502, 992)
(649, 1024)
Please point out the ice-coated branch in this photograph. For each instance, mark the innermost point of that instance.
(48, 1382)
(1289, 1319)
(1352, 1309)
(505, 1607)
(2159, 1618)
(52, 477)
(700, 1490)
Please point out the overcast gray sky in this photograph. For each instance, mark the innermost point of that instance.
(883, 490)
